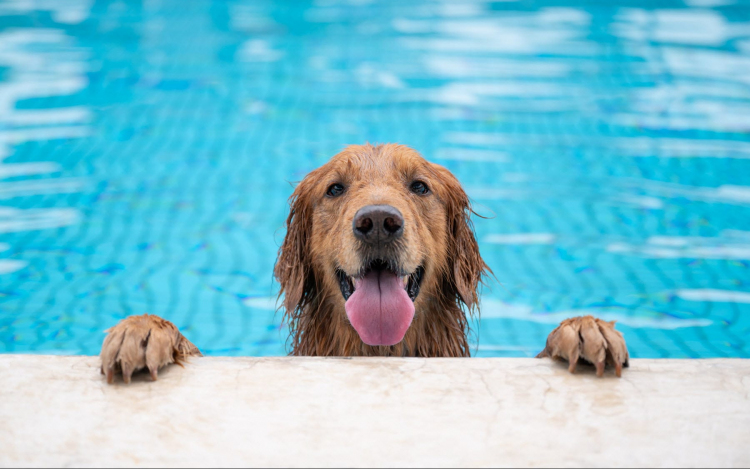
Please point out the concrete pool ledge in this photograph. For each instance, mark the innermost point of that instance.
(58, 411)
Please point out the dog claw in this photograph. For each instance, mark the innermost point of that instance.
(618, 370)
(127, 372)
(110, 375)
(154, 373)
(599, 369)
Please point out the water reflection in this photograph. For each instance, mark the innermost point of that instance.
(40, 64)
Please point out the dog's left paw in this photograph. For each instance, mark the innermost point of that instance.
(589, 339)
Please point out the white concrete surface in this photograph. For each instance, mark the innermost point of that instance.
(58, 411)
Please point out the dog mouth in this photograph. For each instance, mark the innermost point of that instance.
(411, 281)
(380, 301)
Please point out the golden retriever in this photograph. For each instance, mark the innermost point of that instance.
(379, 259)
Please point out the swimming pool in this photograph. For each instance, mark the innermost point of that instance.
(147, 150)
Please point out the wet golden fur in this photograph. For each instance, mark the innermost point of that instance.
(438, 234)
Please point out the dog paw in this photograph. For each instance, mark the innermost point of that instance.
(589, 339)
(139, 342)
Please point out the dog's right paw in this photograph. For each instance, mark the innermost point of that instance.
(139, 342)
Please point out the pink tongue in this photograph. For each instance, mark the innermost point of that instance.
(380, 309)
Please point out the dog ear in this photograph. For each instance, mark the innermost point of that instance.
(293, 268)
(466, 264)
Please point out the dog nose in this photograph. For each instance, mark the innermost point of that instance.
(376, 224)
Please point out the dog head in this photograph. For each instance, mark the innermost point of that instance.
(379, 233)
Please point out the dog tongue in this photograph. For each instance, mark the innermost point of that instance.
(380, 309)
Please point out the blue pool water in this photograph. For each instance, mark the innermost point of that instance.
(147, 150)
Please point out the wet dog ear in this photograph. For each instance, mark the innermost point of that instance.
(293, 268)
(466, 265)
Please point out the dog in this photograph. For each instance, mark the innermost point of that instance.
(379, 259)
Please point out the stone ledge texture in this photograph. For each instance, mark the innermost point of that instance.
(58, 411)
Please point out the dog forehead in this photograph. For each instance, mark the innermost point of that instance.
(370, 162)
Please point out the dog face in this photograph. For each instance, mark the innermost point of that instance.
(379, 234)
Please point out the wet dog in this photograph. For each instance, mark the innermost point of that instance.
(379, 259)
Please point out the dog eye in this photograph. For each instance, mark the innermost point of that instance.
(418, 187)
(335, 190)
